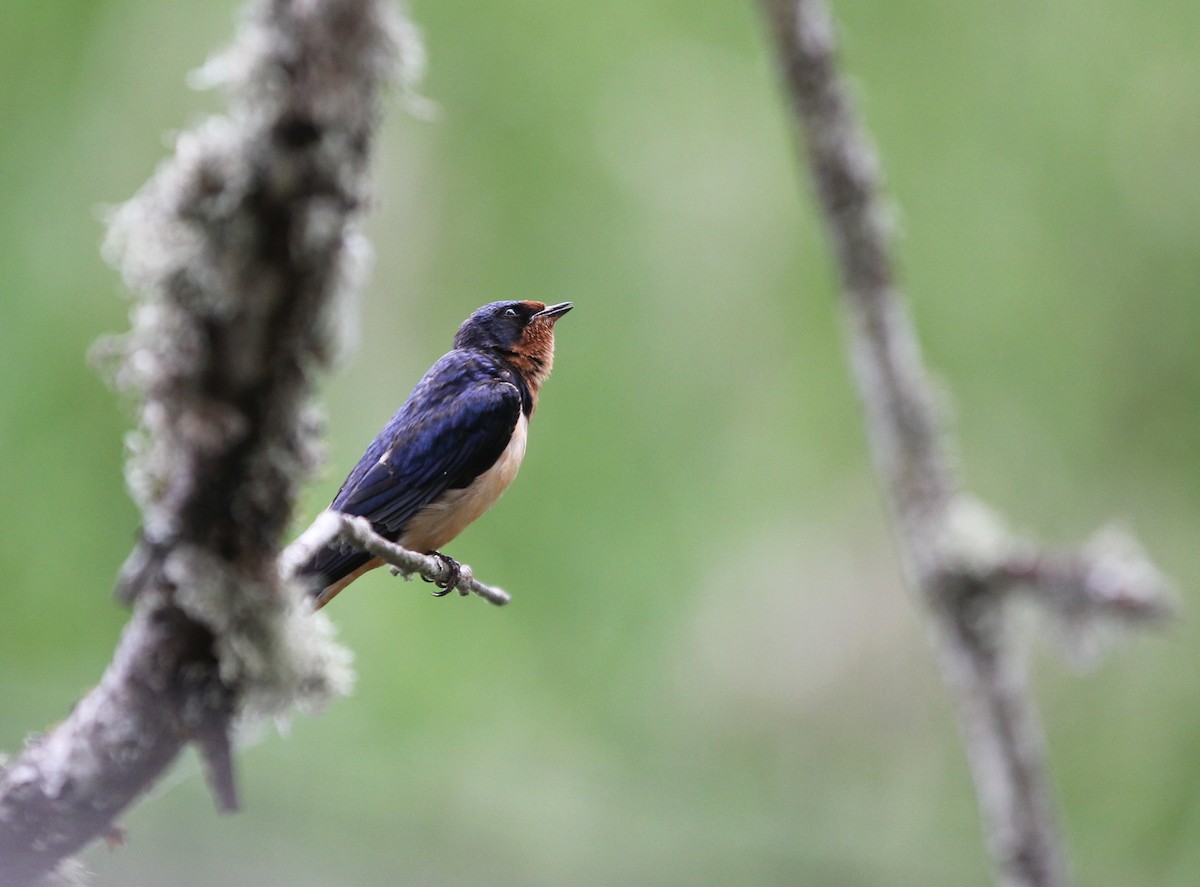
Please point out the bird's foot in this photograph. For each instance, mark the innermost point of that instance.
(453, 574)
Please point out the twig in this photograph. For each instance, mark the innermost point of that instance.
(1110, 576)
(958, 553)
(240, 247)
(334, 525)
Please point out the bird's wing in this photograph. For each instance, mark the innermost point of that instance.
(443, 438)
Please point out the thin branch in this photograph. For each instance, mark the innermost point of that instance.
(240, 247)
(332, 526)
(1111, 576)
(958, 553)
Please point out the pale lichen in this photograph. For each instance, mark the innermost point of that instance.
(268, 641)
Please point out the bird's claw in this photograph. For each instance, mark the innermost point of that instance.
(454, 574)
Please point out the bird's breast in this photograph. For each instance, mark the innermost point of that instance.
(440, 521)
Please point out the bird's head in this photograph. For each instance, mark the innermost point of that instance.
(521, 332)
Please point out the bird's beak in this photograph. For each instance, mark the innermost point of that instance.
(554, 312)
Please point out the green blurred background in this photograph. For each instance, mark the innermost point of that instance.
(711, 673)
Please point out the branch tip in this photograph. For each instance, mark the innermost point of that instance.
(216, 752)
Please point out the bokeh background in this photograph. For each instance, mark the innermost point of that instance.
(711, 673)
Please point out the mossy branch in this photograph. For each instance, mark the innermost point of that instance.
(240, 250)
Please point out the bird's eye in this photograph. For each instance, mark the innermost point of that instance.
(510, 312)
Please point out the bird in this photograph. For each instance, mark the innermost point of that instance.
(451, 449)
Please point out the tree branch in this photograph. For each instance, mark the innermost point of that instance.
(957, 552)
(334, 525)
(241, 247)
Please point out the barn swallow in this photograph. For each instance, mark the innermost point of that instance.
(452, 448)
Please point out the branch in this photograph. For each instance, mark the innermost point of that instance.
(332, 526)
(1110, 576)
(241, 247)
(957, 552)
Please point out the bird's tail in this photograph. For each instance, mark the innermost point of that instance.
(332, 568)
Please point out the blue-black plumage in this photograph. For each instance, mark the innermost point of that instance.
(453, 447)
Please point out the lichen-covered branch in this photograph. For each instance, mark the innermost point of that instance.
(240, 249)
(959, 554)
(333, 525)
